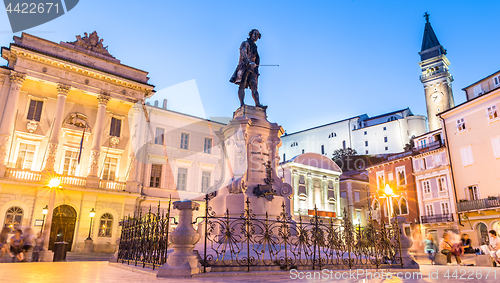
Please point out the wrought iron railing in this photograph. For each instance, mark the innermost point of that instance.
(250, 243)
(436, 218)
(478, 204)
(144, 239)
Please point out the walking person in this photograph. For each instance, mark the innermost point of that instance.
(430, 248)
(447, 249)
(3, 242)
(38, 248)
(28, 241)
(16, 246)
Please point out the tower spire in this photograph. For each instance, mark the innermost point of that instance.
(436, 77)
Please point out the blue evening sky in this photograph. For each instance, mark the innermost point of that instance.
(337, 58)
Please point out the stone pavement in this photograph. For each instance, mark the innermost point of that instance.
(60, 272)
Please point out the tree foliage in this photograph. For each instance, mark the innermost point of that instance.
(343, 153)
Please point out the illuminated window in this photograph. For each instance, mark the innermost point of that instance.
(25, 156)
(109, 172)
(106, 225)
(492, 112)
(70, 162)
(13, 217)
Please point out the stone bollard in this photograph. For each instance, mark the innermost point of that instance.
(406, 243)
(183, 262)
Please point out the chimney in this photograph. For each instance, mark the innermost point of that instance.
(164, 104)
(156, 103)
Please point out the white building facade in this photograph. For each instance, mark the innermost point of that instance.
(383, 134)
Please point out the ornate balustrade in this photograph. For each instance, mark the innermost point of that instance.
(112, 185)
(437, 218)
(24, 175)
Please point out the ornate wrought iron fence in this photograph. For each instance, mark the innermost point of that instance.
(144, 238)
(251, 243)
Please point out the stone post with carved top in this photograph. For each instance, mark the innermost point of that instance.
(9, 116)
(62, 93)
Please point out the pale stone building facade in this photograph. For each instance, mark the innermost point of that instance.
(72, 112)
(472, 131)
(355, 187)
(433, 180)
(382, 134)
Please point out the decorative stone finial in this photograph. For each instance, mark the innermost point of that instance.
(92, 43)
(426, 16)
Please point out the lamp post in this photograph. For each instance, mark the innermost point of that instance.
(92, 214)
(389, 194)
(44, 212)
(53, 185)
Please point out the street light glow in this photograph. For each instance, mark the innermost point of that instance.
(388, 190)
(54, 183)
(45, 210)
(92, 213)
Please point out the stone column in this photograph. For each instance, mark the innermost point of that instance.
(295, 183)
(95, 153)
(7, 124)
(406, 243)
(310, 192)
(183, 262)
(324, 187)
(62, 93)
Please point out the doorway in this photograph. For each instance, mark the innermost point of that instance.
(63, 226)
(482, 234)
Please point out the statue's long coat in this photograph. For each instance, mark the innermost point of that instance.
(248, 54)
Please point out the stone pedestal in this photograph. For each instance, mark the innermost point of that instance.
(409, 261)
(89, 246)
(251, 145)
(47, 256)
(183, 262)
(93, 182)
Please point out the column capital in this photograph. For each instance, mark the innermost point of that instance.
(103, 98)
(17, 78)
(63, 89)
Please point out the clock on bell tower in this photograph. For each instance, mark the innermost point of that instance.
(435, 77)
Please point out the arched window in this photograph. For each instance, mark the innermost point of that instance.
(13, 217)
(404, 206)
(106, 225)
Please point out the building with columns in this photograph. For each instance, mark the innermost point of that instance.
(64, 114)
(436, 77)
(315, 182)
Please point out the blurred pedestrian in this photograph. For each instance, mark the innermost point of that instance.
(16, 246)
(3, 242)
(430, 248)
(448, 249)
(38, 248)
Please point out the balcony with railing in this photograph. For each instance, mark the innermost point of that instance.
(430, 146)
(70, 181)
(430, 74)
(438, 218)
(478, 204)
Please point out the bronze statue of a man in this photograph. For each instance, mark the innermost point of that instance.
(247, 73)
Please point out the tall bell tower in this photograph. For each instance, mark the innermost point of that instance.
(435, 77)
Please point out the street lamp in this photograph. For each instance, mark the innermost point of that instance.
(92, 214)
(389, 193)
(44, 212)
